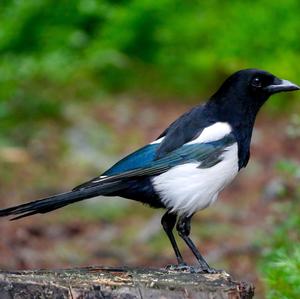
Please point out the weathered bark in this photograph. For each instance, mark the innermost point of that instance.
(123, 283)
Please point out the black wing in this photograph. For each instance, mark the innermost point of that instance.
(186, 128)
(207, 154)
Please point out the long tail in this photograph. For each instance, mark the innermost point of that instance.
(54, 202)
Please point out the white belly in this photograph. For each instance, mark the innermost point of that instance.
(186, 188)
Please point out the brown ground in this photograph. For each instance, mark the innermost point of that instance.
(119, 232)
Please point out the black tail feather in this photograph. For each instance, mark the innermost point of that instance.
(51, 203)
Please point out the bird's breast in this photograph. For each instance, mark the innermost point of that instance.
(187, 188)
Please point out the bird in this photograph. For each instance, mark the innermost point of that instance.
(186, 167)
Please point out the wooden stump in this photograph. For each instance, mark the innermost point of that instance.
(123, 283)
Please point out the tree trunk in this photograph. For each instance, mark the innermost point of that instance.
(123, 283)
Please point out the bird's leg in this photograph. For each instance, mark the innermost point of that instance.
(168, 222)
(184, 228)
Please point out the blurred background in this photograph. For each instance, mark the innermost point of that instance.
(84, 82)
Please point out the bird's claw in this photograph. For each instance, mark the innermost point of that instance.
(180, 267)
(207, 270)
(190, 269)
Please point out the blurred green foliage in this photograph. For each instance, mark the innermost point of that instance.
(281, 262)
(53, 52)
(283, 274)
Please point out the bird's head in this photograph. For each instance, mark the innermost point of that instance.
(263, 84)
(251, 88)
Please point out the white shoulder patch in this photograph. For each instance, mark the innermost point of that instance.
(158, 140)
(212, 133)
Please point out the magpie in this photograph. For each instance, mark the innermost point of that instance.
(188, 165)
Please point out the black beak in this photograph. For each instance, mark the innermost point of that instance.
(281, 85)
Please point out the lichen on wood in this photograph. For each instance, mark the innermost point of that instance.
(123, 283)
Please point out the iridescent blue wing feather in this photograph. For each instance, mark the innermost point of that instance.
(144, 163)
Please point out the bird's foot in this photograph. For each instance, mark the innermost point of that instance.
(182, 267)
(207, 270)
(190, 269)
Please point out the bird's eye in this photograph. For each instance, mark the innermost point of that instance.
(256, 82)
